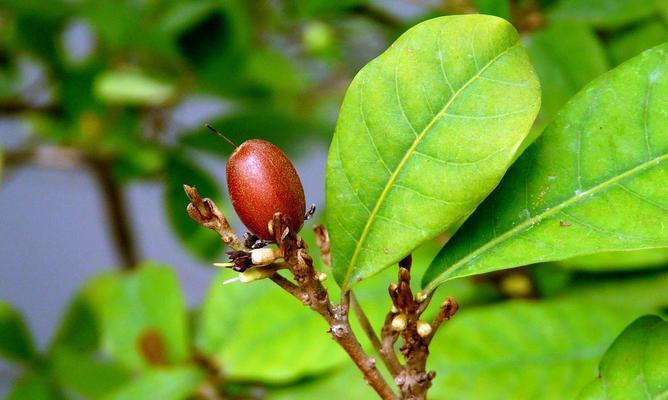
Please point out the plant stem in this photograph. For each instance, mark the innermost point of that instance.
(117, 214)
(342, 333)
(389, 358)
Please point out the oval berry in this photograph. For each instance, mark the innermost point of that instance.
(262, 181)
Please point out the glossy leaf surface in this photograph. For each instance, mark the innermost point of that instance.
(425, 132)
(595, 181)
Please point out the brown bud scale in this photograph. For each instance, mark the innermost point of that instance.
(262, 181)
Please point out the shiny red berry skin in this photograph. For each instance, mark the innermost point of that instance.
(262, 181)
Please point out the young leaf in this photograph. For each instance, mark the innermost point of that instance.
(15, 340)
(425, 132)
(636, 365)
(594, 181)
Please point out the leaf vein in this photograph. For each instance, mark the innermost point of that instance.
(411, 150)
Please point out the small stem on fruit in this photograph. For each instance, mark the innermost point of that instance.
(221, 135)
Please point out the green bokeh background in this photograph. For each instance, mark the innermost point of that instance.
(103, 86)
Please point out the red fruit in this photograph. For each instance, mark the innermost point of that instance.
(262, 181)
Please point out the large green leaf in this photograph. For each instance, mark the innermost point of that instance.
(636, 365)
(142, 316)
(594, 181)
(603, 13)
(257, 331)
(425, 132)
(15, 340)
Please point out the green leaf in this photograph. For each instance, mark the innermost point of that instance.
(15, 341)
(201, 242)
(523, 350)
(631, 43)
(257, 331)
(593, 182)
(79, 328)
(142, 316)
(533, 350)
(433, 123)
(636, 365)
(165, 384)
(567, 56)
(619, 260)
(33, 386)
(132, 87)
(602, 13)
(500, 8)
(87, 376)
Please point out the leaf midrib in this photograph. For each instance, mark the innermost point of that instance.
(404, 160)
(545, 215)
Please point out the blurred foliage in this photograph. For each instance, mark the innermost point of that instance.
(118, 83)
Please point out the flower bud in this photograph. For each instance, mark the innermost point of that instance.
(423, 328)
(421, 296)
(264, 256)
(399, 322)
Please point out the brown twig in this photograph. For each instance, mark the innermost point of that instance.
(205, 212)
(413, 380)
(308, 288)
(386, 353)
(117, 214)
